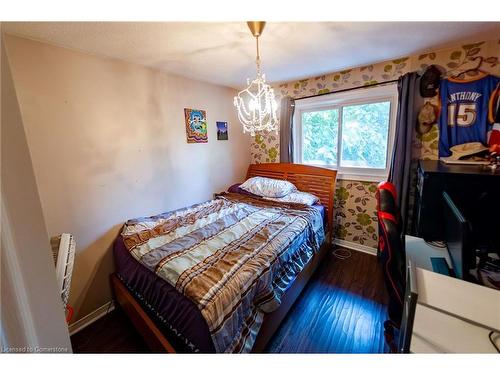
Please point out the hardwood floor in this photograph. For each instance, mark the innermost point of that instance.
(113, 333)
(341, 310)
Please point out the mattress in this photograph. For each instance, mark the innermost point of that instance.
(178, 316)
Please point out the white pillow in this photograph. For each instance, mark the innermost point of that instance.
(268, 187)
(298, 197)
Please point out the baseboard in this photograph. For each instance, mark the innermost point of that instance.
(91, 318)
(355, 246)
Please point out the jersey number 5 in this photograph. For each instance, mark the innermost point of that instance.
(466, 115)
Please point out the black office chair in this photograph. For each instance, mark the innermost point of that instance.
(392, 256)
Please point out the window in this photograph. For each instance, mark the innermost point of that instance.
(351, 131)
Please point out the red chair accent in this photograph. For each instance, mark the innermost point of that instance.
(392, 255)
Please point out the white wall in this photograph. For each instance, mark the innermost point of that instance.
(32, 314)
(108, 143)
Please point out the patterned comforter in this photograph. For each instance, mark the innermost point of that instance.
(234, 257)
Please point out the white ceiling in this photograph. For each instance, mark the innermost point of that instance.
(224, 53)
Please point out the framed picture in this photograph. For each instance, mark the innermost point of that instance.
(196, 125)
(222, 134)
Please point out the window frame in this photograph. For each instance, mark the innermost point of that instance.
(386, 92)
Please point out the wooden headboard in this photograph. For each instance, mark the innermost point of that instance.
(314, 180)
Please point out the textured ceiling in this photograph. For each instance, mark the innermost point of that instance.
(224, 53)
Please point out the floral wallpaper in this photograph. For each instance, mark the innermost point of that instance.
(355, 204)
(356, 212)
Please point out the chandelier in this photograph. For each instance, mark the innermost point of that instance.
(256, 104)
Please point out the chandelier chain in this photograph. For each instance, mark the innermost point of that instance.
(257, 60)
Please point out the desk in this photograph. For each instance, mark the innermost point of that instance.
(420, 252)
(454, 316)
(435, 332)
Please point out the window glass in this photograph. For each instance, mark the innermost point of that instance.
(365, 132)
(349, 131)
(320, 137)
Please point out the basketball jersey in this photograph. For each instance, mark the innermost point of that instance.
(467, 112)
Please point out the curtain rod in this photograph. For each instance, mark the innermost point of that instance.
(349, 89)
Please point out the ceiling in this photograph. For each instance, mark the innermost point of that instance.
(224, 53)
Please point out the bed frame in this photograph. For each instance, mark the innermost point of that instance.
(314, 180)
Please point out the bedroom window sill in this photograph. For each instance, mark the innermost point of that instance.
(357, 175)
(361, 177)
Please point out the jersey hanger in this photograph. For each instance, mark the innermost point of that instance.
(477, 68)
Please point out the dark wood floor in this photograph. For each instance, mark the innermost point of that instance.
(114, 333)
(341, 310)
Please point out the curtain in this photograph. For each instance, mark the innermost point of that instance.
(402, 169)
(286, 129)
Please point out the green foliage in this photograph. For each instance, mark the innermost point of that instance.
(342, 194)
(341, 233)
(319, 131)
(365, 129)
(431, 135)
(364, 135)
(273, 152)
(399, 61)
(364, 219)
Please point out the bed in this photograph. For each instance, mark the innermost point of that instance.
(220, 276)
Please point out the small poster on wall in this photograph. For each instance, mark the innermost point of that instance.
(222, 134)
(196, 125)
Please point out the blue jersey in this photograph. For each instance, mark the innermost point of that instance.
(466, 111)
